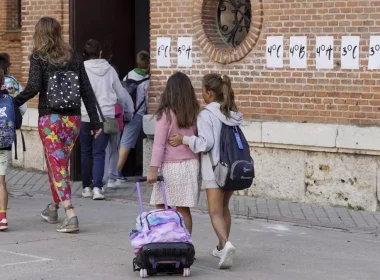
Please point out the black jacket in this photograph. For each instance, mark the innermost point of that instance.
(38, 82)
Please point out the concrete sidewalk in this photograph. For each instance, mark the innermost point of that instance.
(266, 250)
(26, 183)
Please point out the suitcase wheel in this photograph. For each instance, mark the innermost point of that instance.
(143, 273)
(186, 272)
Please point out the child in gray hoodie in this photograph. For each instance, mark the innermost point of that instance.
(221, 108)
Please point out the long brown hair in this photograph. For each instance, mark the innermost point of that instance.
(48, 42)
(221, 86)
(179, 96)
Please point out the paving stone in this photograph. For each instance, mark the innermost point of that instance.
(345, 217)
(273, 208)
(14, 180)
(38, 185)
(25, 178)
(296, 210)
(11, 174)
(25, 183)
(320, 213)
(370, 219)
(358, 219)
(76, 188)
(32, 181)
(308, 212)
(333, 215)
(262, 207)
(285, 209)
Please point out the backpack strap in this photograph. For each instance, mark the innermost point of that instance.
(100, 110)
(143, 102)
(141, 81)
(23, 144)
(211, 159)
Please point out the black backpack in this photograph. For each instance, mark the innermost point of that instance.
(131, 86)
(63, 92)
(235, 170)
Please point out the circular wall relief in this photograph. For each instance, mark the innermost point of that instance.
(227, 30)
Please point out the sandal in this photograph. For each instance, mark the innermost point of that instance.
(69, 225)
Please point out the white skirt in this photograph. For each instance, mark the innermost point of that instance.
(182, 184)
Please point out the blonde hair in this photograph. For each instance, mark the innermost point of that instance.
(48, 42)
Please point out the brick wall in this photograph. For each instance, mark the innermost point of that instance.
(10, 36)
(336, 96)
(32, 11)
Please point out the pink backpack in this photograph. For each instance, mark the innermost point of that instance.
(158, 226)
(119, 116)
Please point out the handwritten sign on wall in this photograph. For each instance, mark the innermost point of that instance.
(275, 51)
(350, 52)
(298, 52)
(185, 51)
(324, 52)
(374, 53)
(163, 51)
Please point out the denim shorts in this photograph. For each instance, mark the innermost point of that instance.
(4, 160)
(131, 132)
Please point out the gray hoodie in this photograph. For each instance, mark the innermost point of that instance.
(209, 124)
(107, 88)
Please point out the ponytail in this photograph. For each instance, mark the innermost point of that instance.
(221, 86)
(228, 103)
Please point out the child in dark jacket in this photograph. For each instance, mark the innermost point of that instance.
(5, 152)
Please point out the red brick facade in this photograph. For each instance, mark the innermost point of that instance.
(335, 96)
(10, 34)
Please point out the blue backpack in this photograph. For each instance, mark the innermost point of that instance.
(10, 120)
(235, 170)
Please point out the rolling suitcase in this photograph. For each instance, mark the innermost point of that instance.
(161, 242)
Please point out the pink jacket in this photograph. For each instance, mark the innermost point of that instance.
(162, 151)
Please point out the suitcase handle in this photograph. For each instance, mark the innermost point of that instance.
(144, 179)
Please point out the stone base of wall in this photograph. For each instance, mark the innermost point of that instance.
(33, 157)
(316, 163)
(347, 180)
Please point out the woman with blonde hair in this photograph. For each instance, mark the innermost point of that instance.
(59, 76)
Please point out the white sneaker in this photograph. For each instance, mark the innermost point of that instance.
(3, 224)
(217, 253)
(113, 183)
(97, 194)
(87, 192)
(227, 256)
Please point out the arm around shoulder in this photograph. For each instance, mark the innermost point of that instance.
(205, 139)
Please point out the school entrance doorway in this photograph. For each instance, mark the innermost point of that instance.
(122, 27)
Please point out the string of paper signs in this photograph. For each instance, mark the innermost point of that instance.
(298, 53)
(324, 52)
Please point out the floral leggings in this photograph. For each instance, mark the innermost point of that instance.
(58, 134)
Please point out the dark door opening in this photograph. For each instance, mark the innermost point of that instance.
(122, 27)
